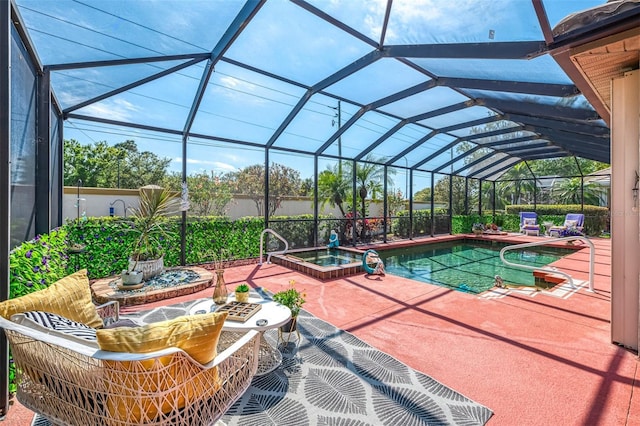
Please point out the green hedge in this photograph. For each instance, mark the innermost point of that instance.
(421, 222)
(108, 241)
(35, 265)
(38, 263)
(299, 230)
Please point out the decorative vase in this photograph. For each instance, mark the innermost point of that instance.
(220, 291)
(242, 297)
(149, 268)
(290, 326)
(131, 279)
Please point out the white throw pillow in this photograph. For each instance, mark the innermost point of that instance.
(58, 326)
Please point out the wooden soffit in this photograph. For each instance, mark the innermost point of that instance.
(603, 60)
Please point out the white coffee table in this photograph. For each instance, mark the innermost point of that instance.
(275, 314)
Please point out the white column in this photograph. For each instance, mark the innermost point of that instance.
(625, 226)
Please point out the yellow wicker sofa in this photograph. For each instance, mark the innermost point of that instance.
(185, 371)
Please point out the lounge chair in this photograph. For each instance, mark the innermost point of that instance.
(570, 220)
(185, 371)
(529, 223)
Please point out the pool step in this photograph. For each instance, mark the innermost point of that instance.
(546, 279)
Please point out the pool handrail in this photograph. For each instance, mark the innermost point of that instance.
(278, 236)
(592, 257)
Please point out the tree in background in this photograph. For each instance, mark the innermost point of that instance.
(119, 166)
(516, 186)
(283, 181)
(140, 168)
(209, 193)
(395, 202)
(306, 188)
(568, 191)
(333, 188)
(86, 163)
(441, 193)
(422, 196)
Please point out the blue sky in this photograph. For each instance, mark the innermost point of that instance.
(285, 40)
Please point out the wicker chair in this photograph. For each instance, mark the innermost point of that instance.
(70, 383)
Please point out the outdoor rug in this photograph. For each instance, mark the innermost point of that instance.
(330, 377)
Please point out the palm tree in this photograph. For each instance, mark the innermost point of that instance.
(569, 192)
(517, 182)
(333, 188)
(368, 179)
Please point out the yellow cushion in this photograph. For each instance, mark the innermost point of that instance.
(69, 297)
(138, 391)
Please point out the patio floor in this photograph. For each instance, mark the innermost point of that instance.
(533, 358)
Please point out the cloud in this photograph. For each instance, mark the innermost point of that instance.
(113, 109)
(207, 164)
(421, 21)
(235, 89)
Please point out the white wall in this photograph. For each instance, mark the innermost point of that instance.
(95, 202)
(625, 237)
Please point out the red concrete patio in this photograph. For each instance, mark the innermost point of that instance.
(534, 359)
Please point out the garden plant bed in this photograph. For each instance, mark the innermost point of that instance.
(172, 283)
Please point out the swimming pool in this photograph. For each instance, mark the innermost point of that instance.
(467, 265)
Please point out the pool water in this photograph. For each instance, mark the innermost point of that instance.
(329, 257)
(467, 266)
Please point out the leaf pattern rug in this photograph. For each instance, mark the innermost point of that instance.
(330, 377)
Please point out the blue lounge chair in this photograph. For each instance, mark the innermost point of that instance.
(572, 219)
(529, 223)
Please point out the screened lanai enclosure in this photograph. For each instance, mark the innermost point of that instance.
(391, 112)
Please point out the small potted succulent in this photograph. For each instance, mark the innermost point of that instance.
(292, 299)
(242, 293)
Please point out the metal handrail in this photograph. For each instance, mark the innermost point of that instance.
(592, 257)
(275, 234)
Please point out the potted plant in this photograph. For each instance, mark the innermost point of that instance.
(292, 299)
(242, 293)
(477, 228)
(146, 256)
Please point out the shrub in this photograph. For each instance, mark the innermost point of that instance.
(421, 222)
(38, 263)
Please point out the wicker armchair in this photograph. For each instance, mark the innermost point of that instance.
(70, 383)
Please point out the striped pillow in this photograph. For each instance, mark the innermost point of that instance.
(62, 324)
